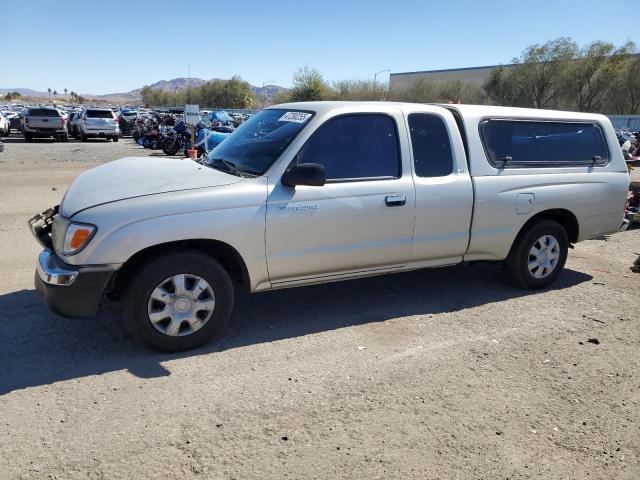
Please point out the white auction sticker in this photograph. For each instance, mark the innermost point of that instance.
(297, 117)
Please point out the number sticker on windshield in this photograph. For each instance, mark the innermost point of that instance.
(297, 117)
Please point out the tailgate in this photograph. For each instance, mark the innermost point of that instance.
(45, 122)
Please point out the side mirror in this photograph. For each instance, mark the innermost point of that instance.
(311, 174)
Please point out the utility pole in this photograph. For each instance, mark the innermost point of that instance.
(189, 84)
(375, 76)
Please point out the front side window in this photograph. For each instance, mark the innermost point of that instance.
(432, 153)
(355, 147)
(531, 143)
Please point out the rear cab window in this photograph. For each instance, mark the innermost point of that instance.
(432, 152)
(524, 143)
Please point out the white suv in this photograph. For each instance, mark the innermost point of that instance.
(98, 123)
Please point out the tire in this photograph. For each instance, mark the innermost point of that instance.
(28, 137)
(83, 137)
(63, 138)
(170, 146)
(524, 269)
(115, 139)
(159, 272)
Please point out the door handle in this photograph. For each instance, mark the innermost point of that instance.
(395, 200)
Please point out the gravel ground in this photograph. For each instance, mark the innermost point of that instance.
(444, 373)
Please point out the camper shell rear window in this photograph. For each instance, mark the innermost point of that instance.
(535, 143)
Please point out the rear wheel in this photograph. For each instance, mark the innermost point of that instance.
(538, 256)
(83, 137)
(179, 301)
(28, 137)
(115, 138)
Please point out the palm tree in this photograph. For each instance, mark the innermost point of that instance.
(49, 90)
(65, 94)
(55, 92)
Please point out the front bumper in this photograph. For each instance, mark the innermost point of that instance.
(69, 290)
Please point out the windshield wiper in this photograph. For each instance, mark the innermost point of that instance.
(232, 168)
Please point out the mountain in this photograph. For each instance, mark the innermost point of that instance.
(182, 83)
(24, 92)
(173, 85)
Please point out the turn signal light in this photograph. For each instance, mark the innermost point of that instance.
(78, 235)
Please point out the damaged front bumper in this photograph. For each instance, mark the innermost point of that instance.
(69, 290)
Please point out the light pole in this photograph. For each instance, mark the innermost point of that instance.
(264, 97)
(375, 77)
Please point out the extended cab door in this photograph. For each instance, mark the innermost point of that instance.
(362, 219)
(444, 192)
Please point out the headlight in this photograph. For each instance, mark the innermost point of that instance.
(77, 237)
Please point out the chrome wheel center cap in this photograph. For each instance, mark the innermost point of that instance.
(182, 305)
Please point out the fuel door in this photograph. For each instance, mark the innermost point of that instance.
(525, 203)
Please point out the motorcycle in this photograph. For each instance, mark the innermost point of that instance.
(178, 139)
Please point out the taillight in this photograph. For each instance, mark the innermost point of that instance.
(26, 121)
(62, 121)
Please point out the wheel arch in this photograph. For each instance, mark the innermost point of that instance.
(564, 217)
(225, 254)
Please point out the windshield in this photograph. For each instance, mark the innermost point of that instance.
(260, 141)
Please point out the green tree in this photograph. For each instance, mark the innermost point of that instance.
(624, 96)
(49, 91)
(504, 87)
(308, 85)
(541, 68)
(591, 76)
(356, 89)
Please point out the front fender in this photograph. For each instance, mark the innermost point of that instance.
(129, 226)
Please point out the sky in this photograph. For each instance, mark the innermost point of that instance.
(116, 46)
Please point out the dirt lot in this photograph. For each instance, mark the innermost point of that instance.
(445, 373)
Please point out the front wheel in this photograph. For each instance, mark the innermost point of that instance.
(538, 256)
(179, 301)
(170, 146)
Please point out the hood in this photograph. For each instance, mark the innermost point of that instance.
(138, 176)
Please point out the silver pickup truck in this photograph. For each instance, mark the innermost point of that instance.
(44, 122)
(317, 192)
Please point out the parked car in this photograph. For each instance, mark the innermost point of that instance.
(5, 126)
(71, 124)
(126, 121)
(316, 192)
(44, 122)
(98, 123)
(15, 121)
